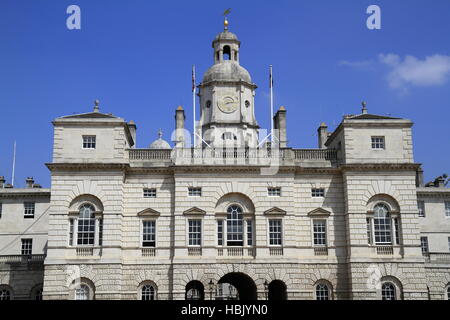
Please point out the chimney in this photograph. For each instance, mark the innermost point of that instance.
(179, 127)
(419, 177)
(29, 182)
(439, 182)
(2, 182)
(280, 127)
(132, 128)
(323, 135)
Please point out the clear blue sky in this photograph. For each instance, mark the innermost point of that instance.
(135, 56)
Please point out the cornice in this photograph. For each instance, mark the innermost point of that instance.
(380, 166)
(86, 166)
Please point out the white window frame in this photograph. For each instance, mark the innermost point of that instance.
(85, 141)
(188, 232)
(26, 247)
(224, 232)
(29, 209)
(329, 291)
(142, 232)
(396, 293)
(325, 222)
(424, 245)
(394, 230)
(274, 191)
(149, 193)
(194, 191)
(378, 144)
(421, 208)
(317, 192)
(281, 232)
(447, 209)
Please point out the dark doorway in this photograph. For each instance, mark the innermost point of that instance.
(277, 290)
(195, 291)
(245, 287)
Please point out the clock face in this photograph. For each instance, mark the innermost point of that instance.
(228, 103)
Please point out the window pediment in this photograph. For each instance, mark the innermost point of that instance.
(194, 211)
(275, 211)
(149, 212)
(319, 212)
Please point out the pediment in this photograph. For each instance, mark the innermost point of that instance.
(319, 212)
(275, 211)
(90, 115)
(194, 211)
(149, 212)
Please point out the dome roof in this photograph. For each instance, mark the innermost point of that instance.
(160, 143)
(226, 35)
(227, 70)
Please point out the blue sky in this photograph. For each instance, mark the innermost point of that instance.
(135, 56)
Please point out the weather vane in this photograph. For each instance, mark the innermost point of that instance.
(225, 22)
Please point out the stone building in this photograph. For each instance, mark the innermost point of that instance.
(235, 216)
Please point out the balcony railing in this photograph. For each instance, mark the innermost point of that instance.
(34, 258)
(85, 251)
(437, 257)
(315, 154)
(149, 154)
(276, 251)
(236, 252)
(385, 250)
(320, 251)
(148, 252)
(194, 251)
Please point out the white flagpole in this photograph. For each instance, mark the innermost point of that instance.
(271, 104)
(14, 163)
(193, 101)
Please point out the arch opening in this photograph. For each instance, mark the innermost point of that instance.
(195, 291)
(226, 53)
(236, 286)
(277, 290)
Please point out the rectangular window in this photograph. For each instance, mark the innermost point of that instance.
(195, 232)
(149, 192)
(28, 209)
(100, 232)
(424, 244)
(27, 247)
(447, 209)
(275, 238)
(71, 228)
(195, 192)
(421, 207)
(249, 232)
(320, 232)
(317, 192)
(89, 142)
(274, 192)
(378, 143)
(382, 228)
(369, 231)
(148, 233)
(397, 231)
(220, 232)
(86, 231)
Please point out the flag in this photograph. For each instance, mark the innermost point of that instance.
(270, 78)
(193, 78)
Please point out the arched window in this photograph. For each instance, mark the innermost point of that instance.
(148, 292)
(86, 225)
(226, 53)
(5, 294)
(322, 292)
(82, 292)
(382, 224)
(388, 291)
(235, 226)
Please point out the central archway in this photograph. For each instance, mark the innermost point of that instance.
(244, 285)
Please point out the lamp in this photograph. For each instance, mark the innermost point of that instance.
(266, 288)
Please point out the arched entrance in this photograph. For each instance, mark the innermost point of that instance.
(277, 290)
(236, 285)
(195, 291)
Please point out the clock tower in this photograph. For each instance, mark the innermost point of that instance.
(227, 112)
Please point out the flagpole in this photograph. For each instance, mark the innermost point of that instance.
(14, 163)
(271, 104)
(193, 102)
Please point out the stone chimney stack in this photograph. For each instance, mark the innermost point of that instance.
(322, 133)
(419, 177)
(280, 127)
(2, 182)
(179, 127)
(132, 127)
(439, 182)
(29, 182)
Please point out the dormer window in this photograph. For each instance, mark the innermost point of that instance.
(378, 143)
(89, 142)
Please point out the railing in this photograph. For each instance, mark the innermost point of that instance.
(85, 251)
(150, 154)
(194, 251)
(276, 251)
(236, 252)
(440, 257)
(320, 251)
(385, 250)
(148, 252)
(315, 154)
(22, 258)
